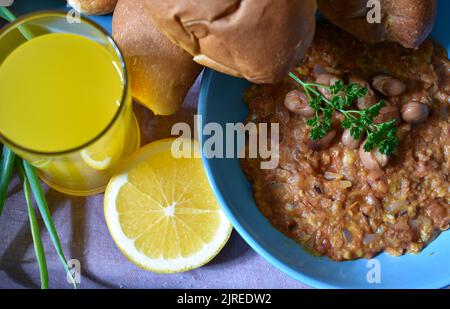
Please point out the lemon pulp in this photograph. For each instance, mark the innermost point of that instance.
(162, 213)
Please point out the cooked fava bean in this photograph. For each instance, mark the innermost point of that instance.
(403, 131)
(349, 141)
(421, 96)
(388, 113)
(327, 79)
(388, 85)
(370, 98)
(322, 143)
(297, 102)
(415, 112)
(373, 160)
(319, 69)
(337, 119)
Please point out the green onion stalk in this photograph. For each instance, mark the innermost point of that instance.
(31, 189)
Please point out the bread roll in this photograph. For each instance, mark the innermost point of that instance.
(260, 40)
(407, 22)
(93, 7)
(161, 73)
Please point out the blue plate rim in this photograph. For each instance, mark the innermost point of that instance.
(321, 284)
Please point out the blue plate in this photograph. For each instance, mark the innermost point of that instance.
(221, 101)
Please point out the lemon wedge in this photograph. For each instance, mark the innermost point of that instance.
(95, 160)
(103, 152)
(162, 213)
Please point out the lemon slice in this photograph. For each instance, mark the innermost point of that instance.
(95, 160)
(162, 213)
(41, 163)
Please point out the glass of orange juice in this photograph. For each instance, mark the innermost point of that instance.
(65, 103)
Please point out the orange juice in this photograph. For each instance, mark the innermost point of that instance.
(60, 92)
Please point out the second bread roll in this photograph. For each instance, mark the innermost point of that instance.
(408, 22)
(260, 40)
(93, 7)
(161, 72)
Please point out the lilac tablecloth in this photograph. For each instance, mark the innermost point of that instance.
(84, 236)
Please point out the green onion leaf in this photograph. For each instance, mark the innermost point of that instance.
(46, 215)
(9, 16)
(6, 169)
(35, 233)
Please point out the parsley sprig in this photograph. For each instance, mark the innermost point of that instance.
(359, 122)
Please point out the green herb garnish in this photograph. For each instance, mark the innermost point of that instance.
(359, 122)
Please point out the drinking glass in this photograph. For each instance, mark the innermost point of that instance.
(86, 169)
